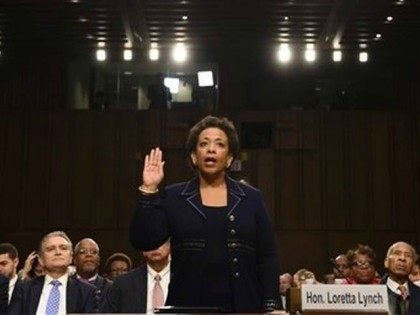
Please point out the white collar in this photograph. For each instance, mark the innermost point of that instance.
(393, 286)
(89, 280)
(12, 281)
(162, 273)
(63, 279)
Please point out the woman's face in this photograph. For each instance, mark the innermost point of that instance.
(362, 269)
(415, 274)
(211, 155)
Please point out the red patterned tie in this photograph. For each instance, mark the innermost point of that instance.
(404, 292)
(157, 295)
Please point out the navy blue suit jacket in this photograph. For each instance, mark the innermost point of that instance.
(4, 291)
(177, 212)
(128, 293)
(413, 302)
(80, 297)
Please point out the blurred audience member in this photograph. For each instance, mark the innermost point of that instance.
(4, 289)
(117, 264)
(87, 261)
(362, 265)
(56, 293)
(342, 264)
(159, 94)
(303, 276)
(32, 267)
(403, 295)
(285, 282)
(9, 260)
(143, 289)
(329, 278)
(415, 273)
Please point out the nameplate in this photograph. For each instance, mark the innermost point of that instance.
(363, 298)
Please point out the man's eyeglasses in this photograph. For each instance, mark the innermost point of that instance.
(85, 252)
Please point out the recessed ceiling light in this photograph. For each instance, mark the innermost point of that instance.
(363, 56)
(286, 18)
(101, 55)
(389, 18)
(337, 55)
(128, 54)
(184, 17)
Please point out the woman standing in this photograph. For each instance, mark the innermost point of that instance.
(223, 243)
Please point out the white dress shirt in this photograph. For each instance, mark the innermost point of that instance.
(46, 289)
(393, 286)
(164, 283)
(12, 283)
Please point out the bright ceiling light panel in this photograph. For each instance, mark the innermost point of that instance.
(172, 84)
(310, 53)
(154, 54)
(363, 56)
(284, 54)
(337, 55)
(179, 53)
(101, 55)
(205, 78)
(128, 54)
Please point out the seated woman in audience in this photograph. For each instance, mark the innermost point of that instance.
(117, 264)
(32, 268)
(303, 276)
(414, 276)
(362, 266)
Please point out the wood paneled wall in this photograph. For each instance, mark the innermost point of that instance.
(330, 179)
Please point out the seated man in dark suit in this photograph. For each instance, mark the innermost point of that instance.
(87, 261)
(55, 293)
(403, 295)
(4, 288)
(143, 289)
(9, 260)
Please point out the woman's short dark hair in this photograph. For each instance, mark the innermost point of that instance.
(118, 257)
(214, 122)
(361, 249)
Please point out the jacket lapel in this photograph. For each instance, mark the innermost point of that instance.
(235, 195)
(140, 286)
(71, 295)
(192, 194)
(35, 294)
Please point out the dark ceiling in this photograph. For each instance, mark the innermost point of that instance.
(208, 24)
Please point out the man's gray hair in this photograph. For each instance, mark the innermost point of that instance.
(54, 234)
(391, 248)
(77, 247)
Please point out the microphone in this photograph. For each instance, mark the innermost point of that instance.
(337, 268)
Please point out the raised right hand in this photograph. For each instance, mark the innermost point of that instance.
(153, 170)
